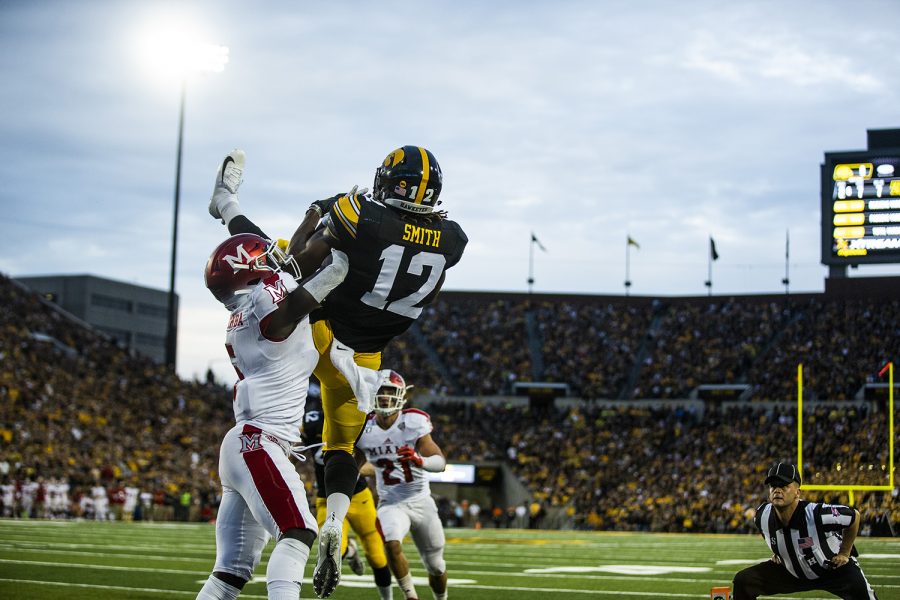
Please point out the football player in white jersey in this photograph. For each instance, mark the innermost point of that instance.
(270, 344)
(398, 446)
(101, 502)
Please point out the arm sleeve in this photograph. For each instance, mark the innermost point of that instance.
(241, 224)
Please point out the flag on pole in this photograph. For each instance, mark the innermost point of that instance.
(712, 249)
(534, 240)
(631, 242)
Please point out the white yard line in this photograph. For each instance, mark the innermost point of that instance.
(118, 588)
(205, 559)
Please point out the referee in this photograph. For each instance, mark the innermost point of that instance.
(812, 544)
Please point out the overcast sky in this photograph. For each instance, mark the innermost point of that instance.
(581, 121)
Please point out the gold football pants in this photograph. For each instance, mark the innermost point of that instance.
(343, 421)
(363, 519)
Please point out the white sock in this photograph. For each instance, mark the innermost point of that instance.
(284, 573)
(216, 589)
(283, 590)
(386, 592)
(229, 207)
(406, 586)
(338, 504)
(442, 596)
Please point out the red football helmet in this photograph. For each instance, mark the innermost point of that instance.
(391, 395)
(240, 262)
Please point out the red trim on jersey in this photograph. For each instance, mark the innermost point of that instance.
(272, 487)
(416, 410)
(379, 529)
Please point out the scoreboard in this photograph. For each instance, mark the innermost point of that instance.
(861, 207)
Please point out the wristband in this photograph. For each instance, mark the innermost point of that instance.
(434, 463)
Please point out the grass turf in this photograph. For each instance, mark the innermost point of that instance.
(85, 560)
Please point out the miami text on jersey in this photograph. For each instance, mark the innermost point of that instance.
(381, 450)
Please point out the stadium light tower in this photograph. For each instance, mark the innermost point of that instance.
(171, 51)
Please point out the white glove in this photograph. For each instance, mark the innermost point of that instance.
(363, 381)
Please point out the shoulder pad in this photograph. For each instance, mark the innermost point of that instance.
(345, 217)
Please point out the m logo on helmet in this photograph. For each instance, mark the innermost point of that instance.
(243, 258)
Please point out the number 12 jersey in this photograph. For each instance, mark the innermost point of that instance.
(397, 262)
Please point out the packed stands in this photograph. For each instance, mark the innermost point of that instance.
(665, 468)
(77, 407)
(128, 438)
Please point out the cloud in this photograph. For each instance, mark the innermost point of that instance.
(578, 120)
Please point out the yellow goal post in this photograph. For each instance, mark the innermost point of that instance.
(850, 488)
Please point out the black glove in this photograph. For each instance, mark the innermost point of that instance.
(323, 207)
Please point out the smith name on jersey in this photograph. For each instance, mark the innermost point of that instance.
(273, 375)
(396, 481)
(396, 264)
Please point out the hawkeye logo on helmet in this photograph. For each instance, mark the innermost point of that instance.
(393, 159)
(241, 261)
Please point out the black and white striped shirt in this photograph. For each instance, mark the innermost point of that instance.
(810, 540)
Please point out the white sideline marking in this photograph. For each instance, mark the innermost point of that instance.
(879, 555)
(594, 592)
(46, 563)
(118, 588)
(203, 559)
(365, 581)
(418, 580)
(624, 569)
(742, 561)
(208, 548)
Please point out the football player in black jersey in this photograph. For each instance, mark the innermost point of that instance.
(399, 248)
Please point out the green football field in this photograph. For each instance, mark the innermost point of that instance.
(74, 560)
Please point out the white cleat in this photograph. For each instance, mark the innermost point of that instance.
(228, 180)
(354, 560)
(327, 574)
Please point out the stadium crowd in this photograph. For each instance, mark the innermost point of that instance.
(662, 349)
(77, 409)
(88, 430)
(666, 468)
